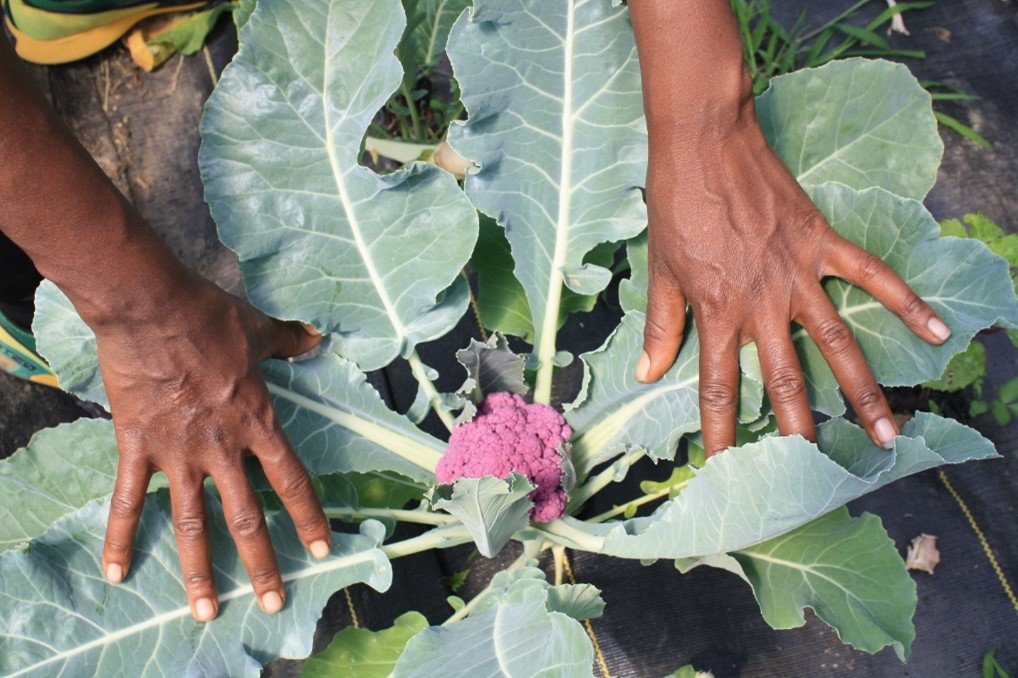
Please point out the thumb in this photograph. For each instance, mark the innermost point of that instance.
(289, 339)
(662, 333)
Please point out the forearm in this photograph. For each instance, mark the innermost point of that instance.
(695, 83)
(58, 206)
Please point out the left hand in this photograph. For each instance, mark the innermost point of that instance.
(733, 235)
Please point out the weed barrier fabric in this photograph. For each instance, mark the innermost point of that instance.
(657, 619)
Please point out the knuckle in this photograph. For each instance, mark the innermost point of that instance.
(787, 384)
(870, 266)
(310, 524)
(810, 223)
(198, 580)
(718, 398)
(834, 335)
(263, 576)
(868, 398)
(296, 486)
(913, 305)
(118, 548)
(654, 330)
(190, 529)
(125, 508)
(247, 525)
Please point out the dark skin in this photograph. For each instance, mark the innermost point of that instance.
(734, 236)
(731, 234)
(179, 356)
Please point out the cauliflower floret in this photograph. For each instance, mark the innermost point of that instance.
(507, 435)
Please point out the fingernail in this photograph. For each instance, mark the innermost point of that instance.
(114, 573)
(271, 603)
(319, 549)
(885, 432)
(310, 329)
(643, 367)
(939, 329)
(204, 609)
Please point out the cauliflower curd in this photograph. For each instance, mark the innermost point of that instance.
(508, 435)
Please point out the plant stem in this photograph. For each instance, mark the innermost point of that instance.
(639, 501)
(439, 538)
(417, 453)
(419, 517)
(434, 399)
(602, 479)
(411, 105)
(561, 532)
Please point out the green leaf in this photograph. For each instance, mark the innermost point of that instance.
(553, 130)
(432, 32)
(1000, 413)
(965, 283)
(58, 616)
(189, 32)
(491, 367)
(860, 122)
(1006, 247)
(847, 570)
(299, 95)
(978, 407)
(965, 369)
(517, 635)
(68, 344)
(492, 509)
(753, 493)
(952, 228)
(39, 484)
(579, 601)
(360, 653)
(336, 421)
(501, 299)
(377, 490)
(982, 227)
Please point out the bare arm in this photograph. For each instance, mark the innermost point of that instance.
(733, 235)
(179, 356)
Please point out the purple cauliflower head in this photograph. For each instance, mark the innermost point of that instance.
(508, 435)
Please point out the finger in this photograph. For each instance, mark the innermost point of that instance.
(842, 353)
(246, 523)
(288, 339)
(293, 485)
(784, 381)
(125, 512)
(190, 526)
(866, 270)
(719, 389)
(662, 332)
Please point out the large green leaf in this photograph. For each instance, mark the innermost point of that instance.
(847, 569)
(320, 237)
(753, 493)
(968, 286)
(337, 422)
(58, 616)
(59, 471)
(515, 635)
(860, 122)
(556, 126)
(360, 653)
(68, 344)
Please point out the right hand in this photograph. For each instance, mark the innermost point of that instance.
(188, 399)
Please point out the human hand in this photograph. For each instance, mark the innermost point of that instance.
(733, 234)
(188, 399)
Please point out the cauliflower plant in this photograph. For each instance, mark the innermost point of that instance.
(508, 435)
